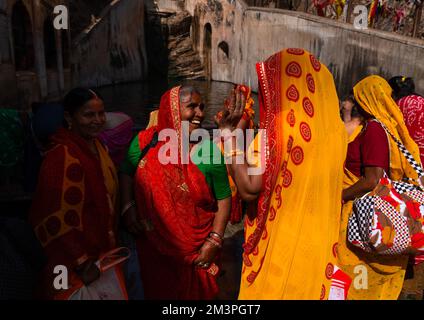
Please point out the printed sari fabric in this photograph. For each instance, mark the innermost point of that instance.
(385, 274)
(412, 108)
(177, 208)
(288, 253)
(73, 211)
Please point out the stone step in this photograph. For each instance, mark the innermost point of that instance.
(184, 62)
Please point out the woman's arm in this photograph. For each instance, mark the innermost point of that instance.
(128, 206)
(367, 183)
(222, 216)
(126, 185)
(209, 251)
(248, 186)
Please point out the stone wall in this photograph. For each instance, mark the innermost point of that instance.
(8, 92)
(112, 50)
(253, 34)
(37, 82)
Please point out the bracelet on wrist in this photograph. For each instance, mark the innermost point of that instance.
(214, 234)
(234, 153)
(214, 242)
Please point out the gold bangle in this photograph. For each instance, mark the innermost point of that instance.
(234, 153)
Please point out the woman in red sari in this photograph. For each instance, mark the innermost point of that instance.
(180, 212)
(73, 211)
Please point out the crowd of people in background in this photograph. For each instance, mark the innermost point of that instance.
(125, 225)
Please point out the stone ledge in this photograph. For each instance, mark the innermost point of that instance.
(347, 26)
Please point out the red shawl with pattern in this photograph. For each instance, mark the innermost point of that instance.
(73, 209)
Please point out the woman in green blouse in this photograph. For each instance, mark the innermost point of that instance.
(179, 210)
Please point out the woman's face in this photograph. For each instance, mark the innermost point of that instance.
(347, 105)
(89, 120)
(192, 110)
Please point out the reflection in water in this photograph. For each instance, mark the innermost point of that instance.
(139, 99)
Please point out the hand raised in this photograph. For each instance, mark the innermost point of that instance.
(232, 112)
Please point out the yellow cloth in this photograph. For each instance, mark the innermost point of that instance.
(339, 4)
(295, 250)
(355, 133)
(110, 176)
(153, 120)
(374, 95)
(385, 273)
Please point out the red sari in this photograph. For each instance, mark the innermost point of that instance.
(178, 209)
(73, 211)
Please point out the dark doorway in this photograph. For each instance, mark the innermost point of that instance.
(22, 38)
(50, 45)
(65, 49)
(223, 52)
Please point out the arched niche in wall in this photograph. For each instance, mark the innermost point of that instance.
(207, 50)
(50, 44)
(23, 45)
(223, 52)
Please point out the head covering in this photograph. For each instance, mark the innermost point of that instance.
(288, 249)
(374, 95)
(176, 201)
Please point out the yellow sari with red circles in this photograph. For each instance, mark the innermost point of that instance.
(289, 249)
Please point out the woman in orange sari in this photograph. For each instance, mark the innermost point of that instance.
(371, 153)
(73, 211)
(288, 253)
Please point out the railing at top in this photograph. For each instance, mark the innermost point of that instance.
(400, 17)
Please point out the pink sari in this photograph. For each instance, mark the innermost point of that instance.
(412, 108)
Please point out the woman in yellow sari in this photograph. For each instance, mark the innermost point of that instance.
(375, 277)
(288, 251)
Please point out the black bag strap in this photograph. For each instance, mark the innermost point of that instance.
(152, 144)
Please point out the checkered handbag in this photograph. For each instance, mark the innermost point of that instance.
(390, 219)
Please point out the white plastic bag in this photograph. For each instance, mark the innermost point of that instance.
(111, 284)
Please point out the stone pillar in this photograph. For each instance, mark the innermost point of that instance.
(40, 59)
(59, 58)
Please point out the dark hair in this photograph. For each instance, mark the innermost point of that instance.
(355, 113)
(402, 87)
(78, 97)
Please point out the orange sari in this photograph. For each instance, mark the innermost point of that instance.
(288, 252)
